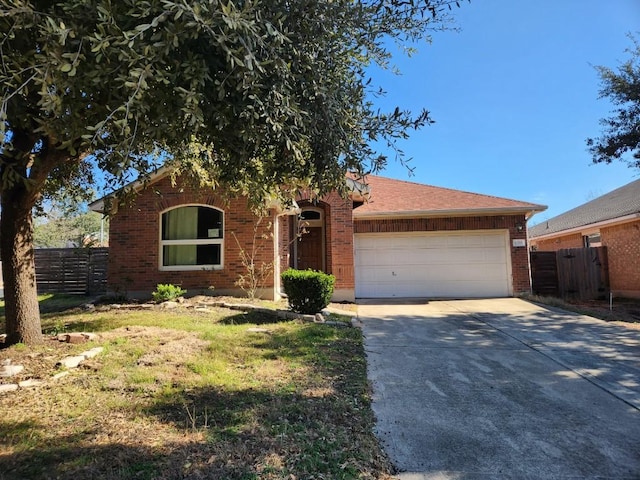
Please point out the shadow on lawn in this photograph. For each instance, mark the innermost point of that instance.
(247, 435)
(299, 428)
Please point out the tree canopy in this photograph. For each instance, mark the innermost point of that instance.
(621, 137)
(57, 230)
(251, 94)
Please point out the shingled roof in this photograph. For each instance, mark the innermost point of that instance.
(390, 197)
(619, 203)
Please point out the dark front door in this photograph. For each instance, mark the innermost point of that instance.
(310, 249)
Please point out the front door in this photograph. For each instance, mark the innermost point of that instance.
(310, 249)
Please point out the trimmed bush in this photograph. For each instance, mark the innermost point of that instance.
(308, 291)
(166, 292)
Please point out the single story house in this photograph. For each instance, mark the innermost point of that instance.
(390, 238)
(613, 221)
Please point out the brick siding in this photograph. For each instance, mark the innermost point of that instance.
(623, 250)
(135, 240)
(338, 214)
(558, 243)
(134, 249)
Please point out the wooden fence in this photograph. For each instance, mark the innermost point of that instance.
(71, 270)
(544, 274)
(580, 273)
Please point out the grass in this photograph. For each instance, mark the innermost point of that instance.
(180, 394)
(53, 302)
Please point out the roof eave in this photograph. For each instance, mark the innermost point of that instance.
(528, 211)
(588, 226)
(136, 186)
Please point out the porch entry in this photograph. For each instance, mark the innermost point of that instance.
(309, 250)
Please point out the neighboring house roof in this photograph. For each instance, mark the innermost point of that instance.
(389, 197)
(618, 204)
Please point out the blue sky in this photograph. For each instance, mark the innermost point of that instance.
(514, 95)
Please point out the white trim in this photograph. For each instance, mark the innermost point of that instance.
(195, 241)
(590, 227)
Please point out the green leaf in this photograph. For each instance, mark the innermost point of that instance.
(66, 67)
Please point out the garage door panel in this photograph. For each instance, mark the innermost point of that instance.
(469, 264)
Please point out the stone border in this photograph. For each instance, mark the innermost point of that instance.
(243, 307)
(69, 362)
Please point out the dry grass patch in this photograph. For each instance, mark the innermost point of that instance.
(193, 395)
(624, 311)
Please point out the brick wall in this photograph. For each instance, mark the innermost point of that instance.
(135, 241)
(623, 250)
(519, 255)
(573, 240)
(338, 240)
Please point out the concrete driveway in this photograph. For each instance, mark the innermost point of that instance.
(503, 389)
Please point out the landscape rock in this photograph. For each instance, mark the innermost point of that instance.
(258, 330)
(8, 387)
(30, 383)
(289, 315)
(89, 307)
(92, 353)
(71, 362)
(169, 305)
(74, 338)
(319, 318)
(3, 338)
(141, 306)
(60, 375)
(90, 336)
(10, 370)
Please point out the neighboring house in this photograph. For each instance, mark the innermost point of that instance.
(613, 221)
(390, 238)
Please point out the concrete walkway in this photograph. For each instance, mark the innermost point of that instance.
(503, 389)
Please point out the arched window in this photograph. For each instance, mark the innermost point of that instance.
(191, 238)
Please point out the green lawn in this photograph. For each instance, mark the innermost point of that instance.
(183, 394)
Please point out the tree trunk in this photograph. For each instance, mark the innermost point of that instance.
(22, 312)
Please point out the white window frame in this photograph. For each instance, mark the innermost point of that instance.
(204, 241)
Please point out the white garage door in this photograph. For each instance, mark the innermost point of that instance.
(449, 265)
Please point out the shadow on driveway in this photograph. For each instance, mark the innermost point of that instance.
(502, 389)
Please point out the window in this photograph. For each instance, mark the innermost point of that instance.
(191, 238)
(310, 215)
(592, 240)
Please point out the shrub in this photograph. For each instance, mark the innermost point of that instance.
(308, 291)
(166, 292)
